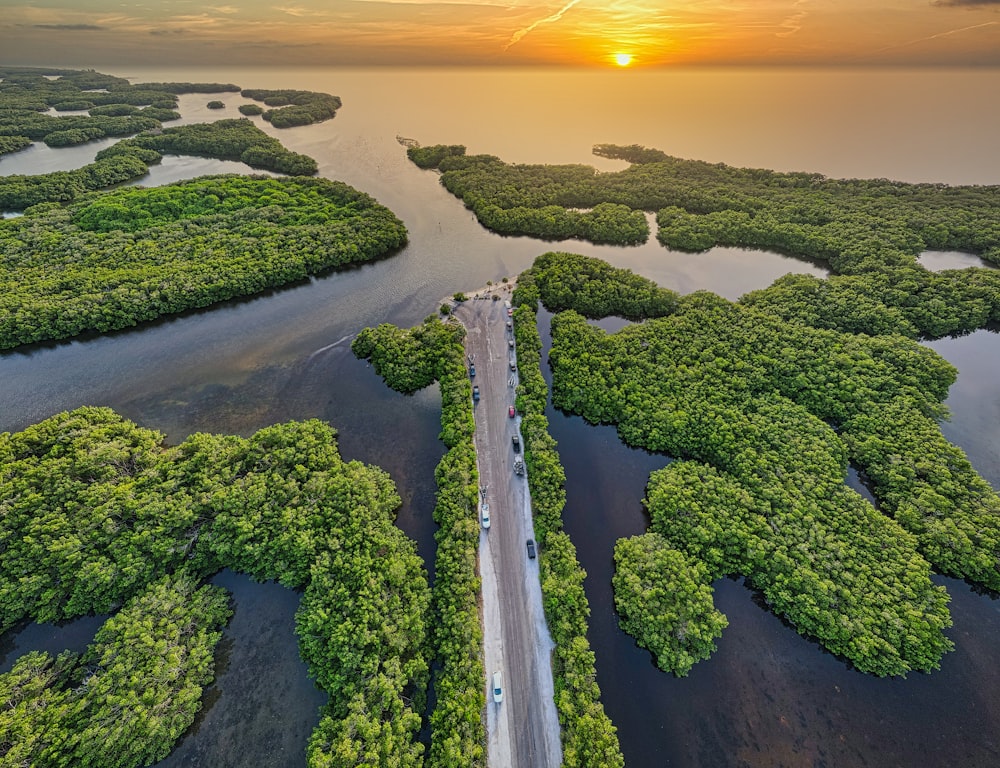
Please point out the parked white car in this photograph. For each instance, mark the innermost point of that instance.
(497, 687)
(484, 514)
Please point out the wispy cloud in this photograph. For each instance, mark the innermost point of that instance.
(939, 35)
(70, 27)
(793, 23)
(297, 11)
(519, 35)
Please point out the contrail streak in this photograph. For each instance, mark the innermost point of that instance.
(517, 36)
(939, 34)
(793, 23)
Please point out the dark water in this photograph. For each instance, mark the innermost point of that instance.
(52, 639)
(261, 707)
(767, 698)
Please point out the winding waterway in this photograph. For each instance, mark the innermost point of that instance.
(768, 697)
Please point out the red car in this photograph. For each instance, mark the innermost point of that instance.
(510, 411)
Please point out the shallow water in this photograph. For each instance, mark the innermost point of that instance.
(261, 707)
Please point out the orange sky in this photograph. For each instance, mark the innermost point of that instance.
(496, 32)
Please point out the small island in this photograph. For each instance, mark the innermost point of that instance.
(115, 259)
(763, 415)
(101, 517)
(868, 231)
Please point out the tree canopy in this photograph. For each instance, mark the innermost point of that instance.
(868, 231)
(101, 515)
(116, 108)
(767, 414)
(290, 108)
(119, 258)
(234, 139)
(409, 360)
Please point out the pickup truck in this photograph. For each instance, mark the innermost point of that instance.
(531, 548)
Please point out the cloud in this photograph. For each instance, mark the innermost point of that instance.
(939, 35)
(516, 37)
(297, 11)
(793, 23)
(958, 3)
(72, 27)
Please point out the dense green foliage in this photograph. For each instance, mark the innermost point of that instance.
(855, 224)
(431, 157)
(868, 231)
(284, 506)
(74, 105)
(294, 107)
(124, 257)
(42, 127)
(251, 109)
(930, 487)
(236, 139)
(215, 104)
(82, 528)
(664, 599)
(908, 300)
(594, 288)
(409, 360)
(20, 192)
(178, 88)
(26, 94)
(126, 700)
(589, 739)
(96, 509)
(13, 143)
(754, 397)
(827, 560)
(531, 199)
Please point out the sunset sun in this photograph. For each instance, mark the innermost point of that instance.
(623, 59)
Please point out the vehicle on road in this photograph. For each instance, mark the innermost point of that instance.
(531, 548)
(484, 514)
(472, 371)
(475, 393)
(510, 325)
(518, 465)
(510, 411)
(510, 343)
(513, 364)
(516, 442)
(497, 687)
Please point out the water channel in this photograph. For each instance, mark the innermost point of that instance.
(768, 697)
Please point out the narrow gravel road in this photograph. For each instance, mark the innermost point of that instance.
(523, 730)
